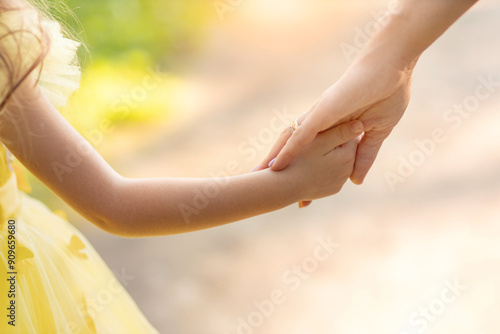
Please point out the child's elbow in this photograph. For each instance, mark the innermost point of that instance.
(111, 215)
(115, 224)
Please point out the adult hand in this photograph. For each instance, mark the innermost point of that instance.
(374, 90)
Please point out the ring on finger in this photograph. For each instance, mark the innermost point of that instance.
(293, 126)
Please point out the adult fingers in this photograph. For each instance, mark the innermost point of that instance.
(278, 145)
(366, 154)
(322, 117)
(304, 134)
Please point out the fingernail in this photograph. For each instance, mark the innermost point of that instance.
(357, 127)
(357, 182)
(253, 170)
(271, 162)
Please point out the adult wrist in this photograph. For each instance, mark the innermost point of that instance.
(392, 44)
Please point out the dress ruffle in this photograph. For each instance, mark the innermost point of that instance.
(60, 75)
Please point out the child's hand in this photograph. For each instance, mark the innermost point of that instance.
(324, 165)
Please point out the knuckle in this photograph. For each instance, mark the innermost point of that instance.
(298, 134)
(345, 133)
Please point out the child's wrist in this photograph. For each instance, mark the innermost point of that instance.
(292, 184)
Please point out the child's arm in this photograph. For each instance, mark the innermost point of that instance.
(62, 159)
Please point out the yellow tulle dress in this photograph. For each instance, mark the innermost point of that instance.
(51, 278)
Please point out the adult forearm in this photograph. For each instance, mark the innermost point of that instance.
(412, 27)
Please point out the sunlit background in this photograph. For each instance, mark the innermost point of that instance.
(174, 88)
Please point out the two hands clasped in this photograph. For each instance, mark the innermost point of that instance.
(356, 114)
(327, 162)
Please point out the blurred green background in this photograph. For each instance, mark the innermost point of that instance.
(124, 42)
